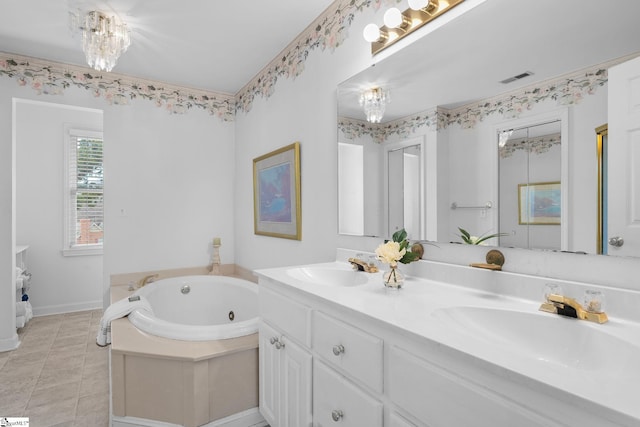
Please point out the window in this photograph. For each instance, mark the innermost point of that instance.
(84, 207)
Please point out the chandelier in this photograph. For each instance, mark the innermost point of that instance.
(374, 102)
(104, 38)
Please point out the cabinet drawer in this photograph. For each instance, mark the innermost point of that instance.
(356, 352)
(337, 401)
(290, 317)
(440, 398)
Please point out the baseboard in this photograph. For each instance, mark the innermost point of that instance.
(8, 344)
(248, 418)
(67, 308)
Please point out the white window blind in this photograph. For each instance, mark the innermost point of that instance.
(84, 212)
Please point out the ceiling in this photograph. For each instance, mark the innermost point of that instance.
(465, 60)
(205, 44)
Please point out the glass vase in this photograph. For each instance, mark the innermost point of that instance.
(393, 278)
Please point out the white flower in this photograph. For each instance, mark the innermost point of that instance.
(390, 253)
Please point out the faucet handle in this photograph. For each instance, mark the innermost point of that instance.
(552, 289)
(593, 301)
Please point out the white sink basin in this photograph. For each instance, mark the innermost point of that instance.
(329, 276)
(547, 338)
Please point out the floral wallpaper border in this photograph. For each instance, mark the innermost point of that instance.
(329, 30)
(566, 90)
(536, 145)
(403, 128)
(46, 77)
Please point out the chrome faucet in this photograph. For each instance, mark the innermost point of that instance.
(146, 280)
(361, 265)
(569, 307)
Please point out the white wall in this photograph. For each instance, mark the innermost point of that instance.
(59, 284)
(473, 162)
(168, 189)
(302, 110)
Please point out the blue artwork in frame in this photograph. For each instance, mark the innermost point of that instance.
(276, 192)
(539, 203)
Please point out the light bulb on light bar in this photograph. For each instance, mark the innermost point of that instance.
(372, 33)
(418, 4)
(393, 18)
(425, 5)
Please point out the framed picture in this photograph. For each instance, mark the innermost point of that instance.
(276, 193)
(539, 203)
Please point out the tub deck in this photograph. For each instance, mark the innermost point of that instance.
(189, 383)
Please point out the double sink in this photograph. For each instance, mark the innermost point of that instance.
(515, 330)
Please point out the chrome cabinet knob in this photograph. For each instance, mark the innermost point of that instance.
(338, 349)
(276, 341)
(616, 241)
(336, 415)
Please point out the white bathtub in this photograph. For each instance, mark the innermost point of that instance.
(198, 308)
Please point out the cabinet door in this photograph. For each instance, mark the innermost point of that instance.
(295, 385)
(337, 401)
(441, 398)
(269, 375)
(396, 420)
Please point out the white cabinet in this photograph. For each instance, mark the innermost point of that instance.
(353, 351)
(441, 398)
(285, 364)
(337, 401)
(285, 380)
(346, 359)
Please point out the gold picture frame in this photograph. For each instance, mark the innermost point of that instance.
(539, 203)
(276, 193)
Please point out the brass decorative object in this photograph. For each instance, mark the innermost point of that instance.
(495, 257)
(495, 261)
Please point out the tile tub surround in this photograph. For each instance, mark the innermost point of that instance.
(180, 382)
(58, 376)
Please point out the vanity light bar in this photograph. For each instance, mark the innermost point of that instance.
(411, 21)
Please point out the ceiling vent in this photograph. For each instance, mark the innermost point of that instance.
(518, 77)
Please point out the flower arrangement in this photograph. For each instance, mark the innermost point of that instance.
(477, 240)
(394, 251)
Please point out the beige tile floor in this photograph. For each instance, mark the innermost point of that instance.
(58, 376)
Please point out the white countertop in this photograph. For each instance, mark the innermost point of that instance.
(444, 313)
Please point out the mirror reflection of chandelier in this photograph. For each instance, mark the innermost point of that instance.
(374, 102)
(104, 38)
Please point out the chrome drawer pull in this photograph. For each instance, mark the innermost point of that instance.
(336, 415)
(338, 349)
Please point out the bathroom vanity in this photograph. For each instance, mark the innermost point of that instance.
(456, 346)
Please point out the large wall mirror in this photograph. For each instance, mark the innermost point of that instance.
(501, 104)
